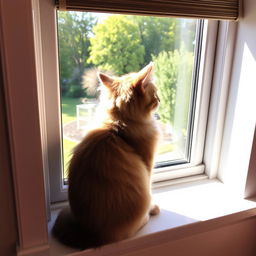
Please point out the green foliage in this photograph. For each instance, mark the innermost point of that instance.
(119, 43)
(74, 30)
(157, 34)
(116, 45)
(75, 91)
(68, 147)
(164, 34)
(173, 71)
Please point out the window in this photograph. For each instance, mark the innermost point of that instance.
(119, 44)
(177, 48)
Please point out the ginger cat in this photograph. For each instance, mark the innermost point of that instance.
(110, 171)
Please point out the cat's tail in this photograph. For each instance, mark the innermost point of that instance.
(90, 82)
(69, 232)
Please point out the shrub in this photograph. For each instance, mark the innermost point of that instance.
(75, 91)
(173, 71)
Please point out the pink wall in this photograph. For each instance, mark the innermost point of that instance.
(20, 90)
(8, 234)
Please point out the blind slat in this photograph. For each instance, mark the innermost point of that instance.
(208, 9)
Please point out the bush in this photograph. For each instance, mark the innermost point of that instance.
(173, 71)
(75, 91)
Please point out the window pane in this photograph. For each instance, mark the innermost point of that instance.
(119, 44)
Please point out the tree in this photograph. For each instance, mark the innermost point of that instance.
(157, 34)
(164, 34)
(74, 31)
(173, 71)
(116, 45)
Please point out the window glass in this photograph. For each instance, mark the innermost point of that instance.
(119, 44)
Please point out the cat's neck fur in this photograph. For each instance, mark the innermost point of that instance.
(141, 135)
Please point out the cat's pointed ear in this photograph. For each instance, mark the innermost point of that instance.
(144, 77)
(105, 80)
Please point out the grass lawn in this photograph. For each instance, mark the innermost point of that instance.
(68, 106)
(164, 148)
(68, 145)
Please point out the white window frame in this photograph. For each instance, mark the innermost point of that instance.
(219, 97)
(196, 165)
(50, 98)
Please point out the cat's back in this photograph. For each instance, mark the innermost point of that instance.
(99, 147)
(107, 179)
(104, 157)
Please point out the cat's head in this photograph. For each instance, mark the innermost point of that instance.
(132, 96)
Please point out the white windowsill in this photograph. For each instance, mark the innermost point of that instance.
(180, 205)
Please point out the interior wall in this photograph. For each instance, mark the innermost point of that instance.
(240, 117)
(232, 240)
(250, 189)
(245, 77)
(8, 231)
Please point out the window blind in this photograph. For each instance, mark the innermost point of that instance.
(203, 9)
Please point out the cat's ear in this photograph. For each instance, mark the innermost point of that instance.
(105, 80)
(144, 77)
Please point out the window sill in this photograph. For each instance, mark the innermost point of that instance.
(186, 209)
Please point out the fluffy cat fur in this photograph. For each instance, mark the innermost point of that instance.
(110, 171)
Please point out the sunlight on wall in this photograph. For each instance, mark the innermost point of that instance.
(240, 127)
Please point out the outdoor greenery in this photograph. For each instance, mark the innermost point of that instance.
(68, 108)
(173, 71)
(68, 146)
(156, 34)
(116, 45)
(74, 32)
(121, 44)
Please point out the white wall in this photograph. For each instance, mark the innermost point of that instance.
(241, 109)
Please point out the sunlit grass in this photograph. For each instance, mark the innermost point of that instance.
(68, 146)
(164, 148)
(69, 109)
(68, 115)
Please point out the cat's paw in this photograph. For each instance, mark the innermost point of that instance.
(155, 210)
